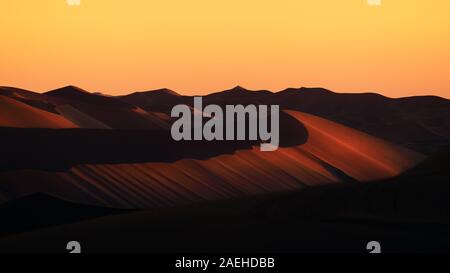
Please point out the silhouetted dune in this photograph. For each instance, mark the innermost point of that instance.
(237, 95)
(162, 100)
(73, 93)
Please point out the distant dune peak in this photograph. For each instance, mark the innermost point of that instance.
(239, 92)
(74, 96)
(68, 89)
(308, 89)
(239, 88)
(161, 91)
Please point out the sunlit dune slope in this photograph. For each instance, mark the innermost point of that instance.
(247, 172)
(333, 153)
(357, 154)
(418, 123)
(14, 113)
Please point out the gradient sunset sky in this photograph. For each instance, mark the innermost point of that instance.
(400, 48)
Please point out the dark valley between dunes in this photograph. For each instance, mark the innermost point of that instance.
(350, 168)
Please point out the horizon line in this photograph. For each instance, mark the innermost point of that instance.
(220, 91)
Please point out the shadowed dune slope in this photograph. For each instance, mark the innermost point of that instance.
(40, 210)
(14, 113)
(332, 153)
(161, 100)
(409, 213)
(81, 119)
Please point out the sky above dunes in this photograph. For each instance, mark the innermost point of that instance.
(398, 48)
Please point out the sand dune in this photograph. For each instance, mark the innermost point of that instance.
(186, 181)
(157, 119)
(109, 111)
(83, 109)
(357, 154)
(418, 123)
(88, 110)
(333, 153)
(76, 94)
(14, 113)
(409, 213)
(80, 118)
(161, 100)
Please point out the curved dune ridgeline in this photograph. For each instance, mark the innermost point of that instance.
(357, 154)
(14, 113)
(331, 153)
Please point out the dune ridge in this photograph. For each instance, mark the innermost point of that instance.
(14, 113)
(418, 123)
(80, 118)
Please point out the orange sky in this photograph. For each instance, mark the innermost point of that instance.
(400, 48)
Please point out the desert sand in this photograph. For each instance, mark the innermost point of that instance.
(13, 113)
(333, 153)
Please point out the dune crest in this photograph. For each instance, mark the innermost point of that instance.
(359, 155)
(20, 115)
